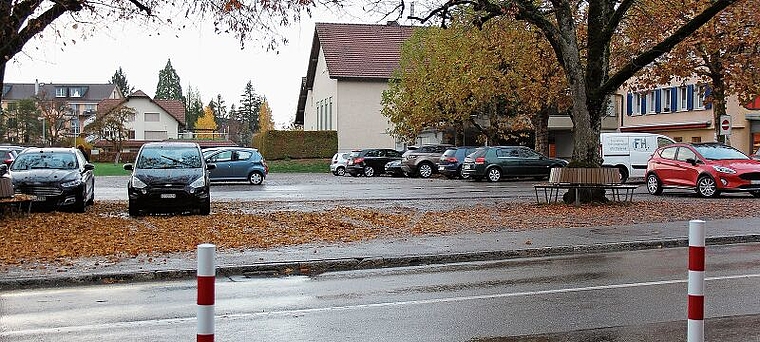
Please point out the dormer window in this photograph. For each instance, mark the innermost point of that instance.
(77, 91)
(60, 92)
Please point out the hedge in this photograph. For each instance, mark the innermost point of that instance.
(296, 144)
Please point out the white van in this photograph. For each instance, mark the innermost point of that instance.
(629, 152)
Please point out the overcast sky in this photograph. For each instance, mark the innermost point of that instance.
(212, 63)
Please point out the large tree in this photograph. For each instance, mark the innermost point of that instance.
(250, 107)
(169, 85)
(724, 54)
(581, 34)
(111, 127)
(193, 107)
(266, 121)
(259, 20)
(485, 78)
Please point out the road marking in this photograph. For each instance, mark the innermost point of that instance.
(297, 312)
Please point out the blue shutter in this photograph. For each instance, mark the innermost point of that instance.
(674, 99)
(629, 104)
(658, 100)
(708, 91)
(643, 104)
(690, 97)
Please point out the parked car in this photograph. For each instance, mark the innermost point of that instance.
(497, 162)
(57, 177)
(629, 152)
(7, 155)
(169, 176)
(370, 162)
(393, 168)
(338, 164)
(237, 164)
(707, 168)
(450, 163)
(423, 161)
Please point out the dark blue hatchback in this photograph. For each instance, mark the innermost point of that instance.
(450, 164)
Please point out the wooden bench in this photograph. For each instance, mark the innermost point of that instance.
(20, 203)
(602, 178)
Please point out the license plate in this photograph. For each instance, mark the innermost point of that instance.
(39, 199)
(755, 181)
(467, 166)
(168, 196)
(440, 168)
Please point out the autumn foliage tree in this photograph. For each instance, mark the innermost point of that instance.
(112, 128)
(266, 122)
(724, 54)
(463, 76)
(581, 34)
(207, 122)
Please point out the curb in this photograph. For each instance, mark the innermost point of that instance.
(317, 266)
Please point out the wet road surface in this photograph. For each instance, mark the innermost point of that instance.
(596, 297)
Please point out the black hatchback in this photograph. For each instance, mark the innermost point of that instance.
(169, 176)
(370, 162)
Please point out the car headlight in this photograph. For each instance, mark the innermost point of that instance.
(198, 183)
(71, 184)
(723, 169)
(138, 184)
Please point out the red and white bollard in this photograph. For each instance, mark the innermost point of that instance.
(206, 277)
(696, 305)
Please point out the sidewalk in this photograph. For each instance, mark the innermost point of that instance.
(312, 259)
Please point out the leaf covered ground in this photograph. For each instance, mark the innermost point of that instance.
(107, 231)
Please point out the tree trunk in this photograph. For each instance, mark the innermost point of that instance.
(540, 123)
(718, 95)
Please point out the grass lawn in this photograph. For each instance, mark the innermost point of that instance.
(275, 166)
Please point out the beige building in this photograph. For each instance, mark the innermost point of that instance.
(679, 111)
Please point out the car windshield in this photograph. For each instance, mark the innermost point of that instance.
(45, 160)
(450, 153)
(720, 152)
(169, 158)
(355, 154)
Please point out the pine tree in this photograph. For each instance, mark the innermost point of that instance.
(250, 105)
(169, 86)
(120, 80)
(193, 107)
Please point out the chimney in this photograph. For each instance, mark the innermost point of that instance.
(36, 87)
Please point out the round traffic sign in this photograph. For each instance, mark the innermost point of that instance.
(725, 124)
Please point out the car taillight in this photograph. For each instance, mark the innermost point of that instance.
(452, 160)
(480, 160)
(358, 160)
(8, 161)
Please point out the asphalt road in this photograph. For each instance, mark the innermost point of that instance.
(622, 296)
(288, 187)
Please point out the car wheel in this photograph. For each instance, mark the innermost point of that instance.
(706, 187)
(494, 174)
(425, 170)
(80, 205)
(369, 171)
(91, 201)
(654, 186)
(255, 178)
(205, 208)
(340, 171)
(134, 209)
(462, 175)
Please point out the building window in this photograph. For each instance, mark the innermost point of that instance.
(696, 139)
(60, 91)
(678, 139)
(636, 102)
(155, 135)
(89, 108)
(132, 134)
(77, 91)
(699, 96)
(651, 104)
(152, 117)
(329, 114)
(666, 96)
(75, 108)
(683, 98)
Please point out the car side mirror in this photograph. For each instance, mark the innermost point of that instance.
(692, 161)
(89, 167)
(128, 167)
(210, 166)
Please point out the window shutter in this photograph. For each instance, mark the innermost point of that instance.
(708, 91)
(674, 99)
(658, 100)
(629, 103)
(690, 97)
(643, 105)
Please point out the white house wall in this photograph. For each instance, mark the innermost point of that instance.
(324, 89)
(360, 123)
(166, 123)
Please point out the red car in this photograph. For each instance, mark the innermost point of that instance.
(708, 168)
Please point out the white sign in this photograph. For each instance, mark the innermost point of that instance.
(725, 125)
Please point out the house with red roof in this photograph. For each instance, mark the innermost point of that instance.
(349, 68)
